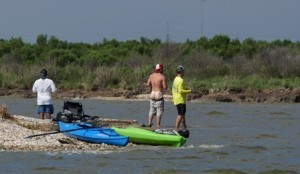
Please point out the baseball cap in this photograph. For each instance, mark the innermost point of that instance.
(158, 67)
(179, 68)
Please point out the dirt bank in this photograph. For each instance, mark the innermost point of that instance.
(232, 95)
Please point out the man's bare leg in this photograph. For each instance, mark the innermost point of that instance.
(158, 120)
(48, 115)
(183, 122)
(178, 121)
(42, 115)
(150, 120)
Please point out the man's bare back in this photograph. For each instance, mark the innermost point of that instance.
(157, 82)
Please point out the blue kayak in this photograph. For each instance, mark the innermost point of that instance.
(86, 132)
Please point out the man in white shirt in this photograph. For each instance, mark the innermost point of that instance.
(44, 88)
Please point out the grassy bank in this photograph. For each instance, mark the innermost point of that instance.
(219, 63)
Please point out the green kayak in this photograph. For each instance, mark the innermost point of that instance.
(143, 136)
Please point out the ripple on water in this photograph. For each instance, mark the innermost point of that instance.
(215, 113)
(47, 169)
(171, 171)
(279, 172)
(224, 171)
(263, 136)
(256, 149)
(279, 113)
(191, 157)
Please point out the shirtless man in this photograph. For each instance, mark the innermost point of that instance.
(157, 82)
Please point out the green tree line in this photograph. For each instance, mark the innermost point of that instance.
(218, 63)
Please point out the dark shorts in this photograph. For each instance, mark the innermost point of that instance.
(45, 109)
(181, 109)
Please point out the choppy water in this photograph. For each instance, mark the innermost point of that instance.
(224, 138)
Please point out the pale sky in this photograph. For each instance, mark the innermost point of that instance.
(91, 21)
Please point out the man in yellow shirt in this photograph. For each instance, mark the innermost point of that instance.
(179, 92)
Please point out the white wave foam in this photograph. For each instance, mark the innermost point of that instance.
(213, 146)
(205, 146)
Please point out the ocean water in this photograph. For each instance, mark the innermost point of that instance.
(225, 138)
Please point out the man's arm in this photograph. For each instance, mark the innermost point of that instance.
(34, 87)
(149, 82)
(182, 89)
(53, 87)
(165, 85)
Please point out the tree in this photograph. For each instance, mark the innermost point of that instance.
(53, 42)
(219, 45)
(249, 48)
(41, 40)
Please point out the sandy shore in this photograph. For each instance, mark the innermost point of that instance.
(15, 130)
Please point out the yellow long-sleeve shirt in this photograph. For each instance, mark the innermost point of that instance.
(179, 91)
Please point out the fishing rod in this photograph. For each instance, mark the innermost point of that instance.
(56, 132)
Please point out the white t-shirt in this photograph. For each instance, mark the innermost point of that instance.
(44, 89)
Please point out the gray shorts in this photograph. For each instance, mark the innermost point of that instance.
(156, 107)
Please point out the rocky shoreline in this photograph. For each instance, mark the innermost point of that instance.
(15, 128)
(281, 95)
